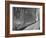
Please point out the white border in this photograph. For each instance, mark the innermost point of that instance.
(26, 6)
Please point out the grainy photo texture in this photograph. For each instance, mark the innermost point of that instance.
(26, 18)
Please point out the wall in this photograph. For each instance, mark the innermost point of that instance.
(2, 19)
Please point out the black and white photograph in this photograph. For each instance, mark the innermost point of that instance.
(25, 18)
